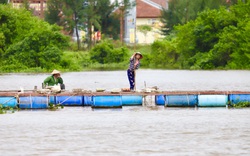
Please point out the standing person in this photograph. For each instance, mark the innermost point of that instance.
(54, 79)
(134, 64)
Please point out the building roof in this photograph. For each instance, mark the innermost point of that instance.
(149, 8)
(162, 3)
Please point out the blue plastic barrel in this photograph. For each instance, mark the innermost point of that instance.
(212, 100)
(88, 100)
(33, 102)
(8, 101)
(236, 98)
(160, 100)
(69, 100)
(181, 100)
(107, 101)
(131, 100)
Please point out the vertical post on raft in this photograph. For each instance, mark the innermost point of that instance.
(144, 102)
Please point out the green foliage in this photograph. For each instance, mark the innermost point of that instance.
(28, 42)
(241, 104)
(74, 61)
(106, 53)
(164, 53)
(144, 29)
(35, 50)
(110, 26)
(93, 18)
(3, 1)
(86, 14)
(109, 22)
(54, 107)
(233, 47)
(53, 13)
(180, 12)
(4, 110)
(216, 39)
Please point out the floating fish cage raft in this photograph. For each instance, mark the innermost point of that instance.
(32, 100)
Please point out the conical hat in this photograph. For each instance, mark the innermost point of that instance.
(139, 54)
(55, 72)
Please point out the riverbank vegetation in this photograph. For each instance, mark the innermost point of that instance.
(211, 39)
(216, 39)
(4, 109)
(242, 104)
(28, 42)
(54, 107)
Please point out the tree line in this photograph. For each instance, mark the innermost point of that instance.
(215, 39)
(198, 35)
(182, 11)
(87, 15)
(27, 41)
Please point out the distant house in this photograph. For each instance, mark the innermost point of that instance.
(148, 12)
(38, 6)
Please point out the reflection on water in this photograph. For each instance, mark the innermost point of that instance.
(164, 79)
(148, 130)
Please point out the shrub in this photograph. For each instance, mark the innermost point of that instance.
(216, 39)
(164, 53)
(105, 52)
(27, 41)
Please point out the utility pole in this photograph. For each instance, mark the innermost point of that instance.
(41, 8)
(130, 23)
(121, 24)
(187, 6)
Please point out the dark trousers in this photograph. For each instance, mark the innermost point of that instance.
(131, 78)
(62, 86)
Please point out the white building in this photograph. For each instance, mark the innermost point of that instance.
(146, 12)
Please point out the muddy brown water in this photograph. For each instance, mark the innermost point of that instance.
(148, 130)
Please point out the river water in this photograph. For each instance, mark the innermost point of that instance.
(164, 79)
(148, 130)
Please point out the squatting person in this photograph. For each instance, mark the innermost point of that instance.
(54, 79)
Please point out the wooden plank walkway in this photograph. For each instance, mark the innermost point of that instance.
(67, 93)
